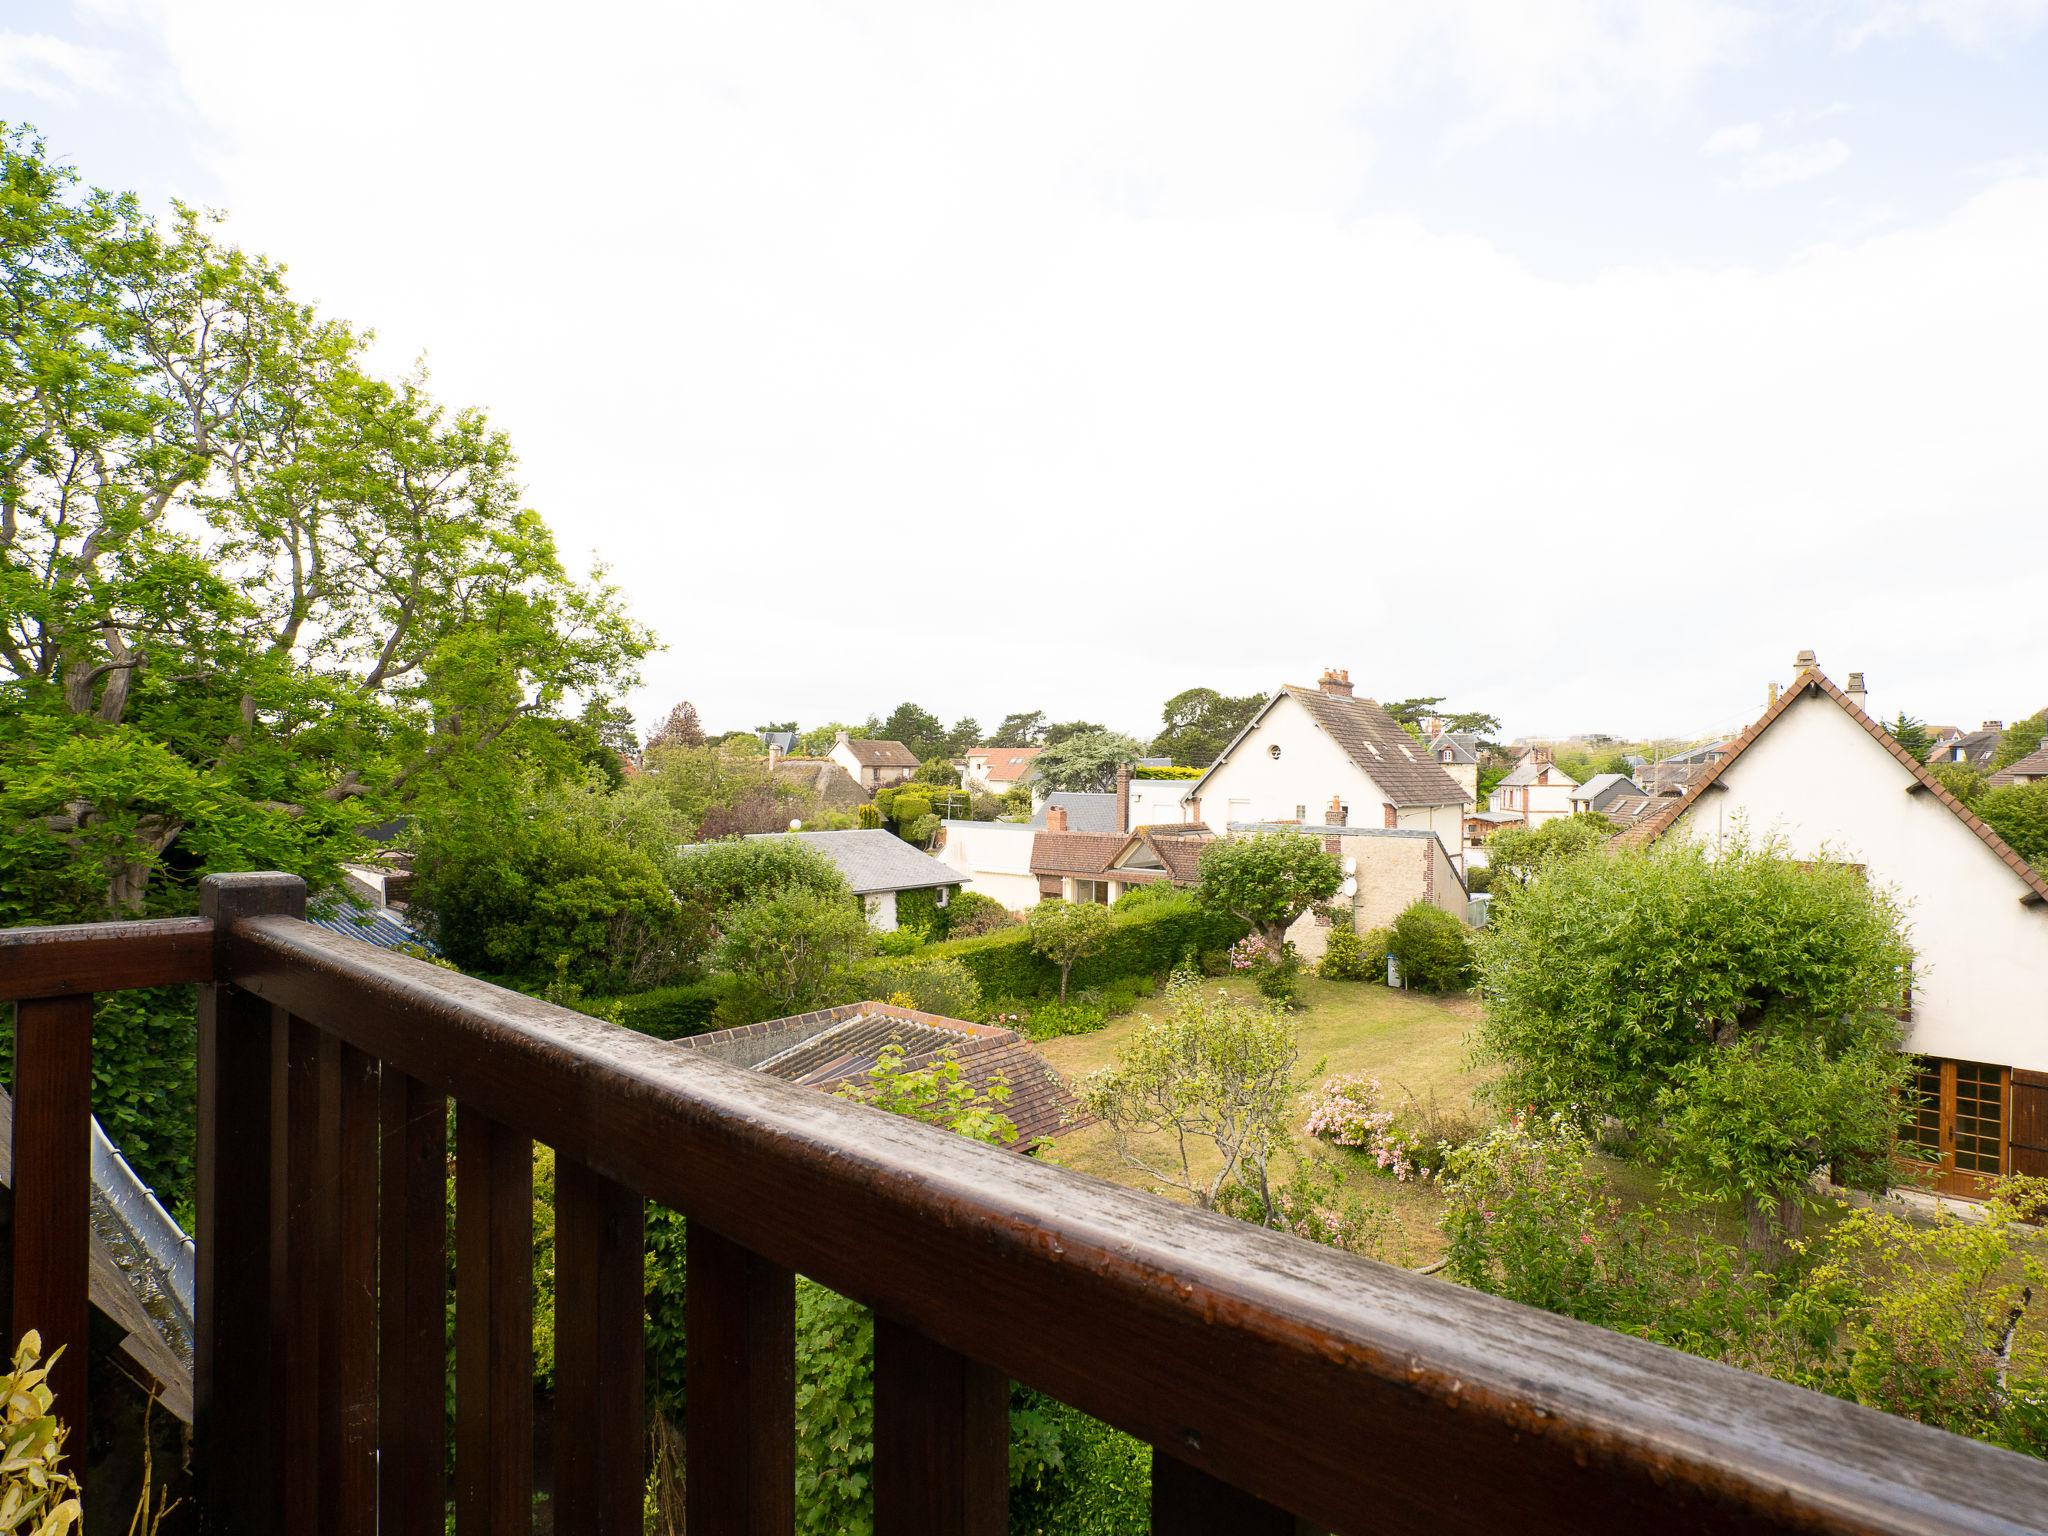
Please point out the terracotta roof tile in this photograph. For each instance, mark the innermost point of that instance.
(870, 753)
(1088, 854)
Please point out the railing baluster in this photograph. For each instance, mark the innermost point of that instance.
(412, 1315)
(740, 1319)
(348, 1263)
(493, 1327)
(231, 1429)
(600, 1367)
(296, 1280)
(942, 1439)
(52, 1184)
(1187, 1501)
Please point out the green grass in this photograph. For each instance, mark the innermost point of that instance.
(1408, 1040)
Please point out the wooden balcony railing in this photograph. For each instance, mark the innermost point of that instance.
(1282, 1386)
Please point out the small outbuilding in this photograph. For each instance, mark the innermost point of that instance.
(879, 866)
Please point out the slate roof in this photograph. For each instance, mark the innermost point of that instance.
(836, 1046)
(1527, 770)
(1006, 765)
(879, 754)
(1398, 763)
(1813, 680)
(1463, 746)
(1976, 747)
(373, 925)
(874, 860)
(1600, 783)
(2033, 766)
(1086, 811)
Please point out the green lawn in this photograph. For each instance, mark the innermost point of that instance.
(1411, 1042)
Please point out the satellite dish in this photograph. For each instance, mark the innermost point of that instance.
(1350, 864)
(795, 825)
(1349, 887)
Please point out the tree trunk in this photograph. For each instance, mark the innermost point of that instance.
(1770, 1224)
(1063, 982)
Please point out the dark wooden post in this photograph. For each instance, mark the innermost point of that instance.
(348, 1264)
(493, 1327)
(1187, 1499)
(740, 1319)
(52, 1192)
(231, 1442)
(600, 1367)
(412, 1418)
(942, 1439)
(297, 1281)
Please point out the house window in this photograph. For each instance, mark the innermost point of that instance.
(1958, 1121)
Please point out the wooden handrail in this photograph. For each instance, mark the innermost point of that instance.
(1353, 1394)
(80, 958)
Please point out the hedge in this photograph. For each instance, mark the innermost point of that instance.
(667, 1013)
(1149, 941)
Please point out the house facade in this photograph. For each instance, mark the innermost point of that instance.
(1975, 748)
(873, 764)
(993, 858)
(1822, 775)
(1535, 789)
(879, 866)
(1309, 747)
(1386, 870)
(1603, 791)
(996, 770)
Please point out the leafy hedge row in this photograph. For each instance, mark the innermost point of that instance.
(1149, 941)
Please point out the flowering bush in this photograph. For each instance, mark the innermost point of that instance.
(1311, 1203)
(1248, 953)
(1347, 1112)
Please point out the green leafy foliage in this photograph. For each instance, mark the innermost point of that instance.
(969, 913)
(1912, 735)
(1213, 1071)
(938, 1094)
(1347, 957)
(2019, 814)
(666, 1013)
(38, 1496)
(1432, 948)
(1150, 941)
(933, 983)
(1085, 761)
(1049, 1021)
(1267, 880)
(1198, 723)
(792, 950)
(2020, 739)
(1962, 780)
(1066, 932)
(1516, 855)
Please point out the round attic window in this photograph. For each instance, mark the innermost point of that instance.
(1273, 750)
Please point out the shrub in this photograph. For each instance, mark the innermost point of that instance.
(1120, 996)
(1048, 1021)
(1280, 977)
(666, 1013)
(1071, 1475)
(791, 950)
(1148, 942)
(1432, 949)
(934, 983)
(1349, 1112)
(970, 913)
(1312, 1203)
(1344, 958)
(1139, 897)
(36, 1498)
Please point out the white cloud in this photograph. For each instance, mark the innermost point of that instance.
(1036, 358)
(1770, 169)
(52, 69)
(1974, 24)
(1737, 138)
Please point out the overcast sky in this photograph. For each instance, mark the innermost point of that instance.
(1580, 361)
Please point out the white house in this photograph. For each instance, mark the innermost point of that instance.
(873, 764)
(1307, 748)
(1535, 788)
(1818, 772)
(879, 865)
(993, 858)
(1386, 870)
(996, 770)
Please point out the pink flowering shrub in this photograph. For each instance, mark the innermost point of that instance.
(1347, 1112)
(1248, 953)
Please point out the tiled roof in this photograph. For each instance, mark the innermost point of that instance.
(870, 753)
(1006, 765)
(2033, 766)
(1669, 777)
(1626, 810)
(1177, 845)
(874, 860)
(1086, 810)
(1088, 854)
(1459, 744)
(1812, 680)
(1398, 763)
(836, 1046)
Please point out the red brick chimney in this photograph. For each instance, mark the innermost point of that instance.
(1055, 818)
(1540, 754)
(1336, 815)
(1123, 797)
(1336, 680)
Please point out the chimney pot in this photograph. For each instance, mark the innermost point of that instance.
(1055, 818)
(1337, 681)
(1805, 661)
(1855, 690)
(1123, 797)
(1336, 814)
(1994, 725)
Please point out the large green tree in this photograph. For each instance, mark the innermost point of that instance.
(1738, 1011)
(2020, 739)
(252, 596)
(1020, 728)
(1267, 880)
(916, 727)
(1198, 723)
(1085, 762)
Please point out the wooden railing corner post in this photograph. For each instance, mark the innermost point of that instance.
(231, 1385)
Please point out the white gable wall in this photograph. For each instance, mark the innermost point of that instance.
(1814, 777)
(1158, 801)
(995, 856)
(1252, 785)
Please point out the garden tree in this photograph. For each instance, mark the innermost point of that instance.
(1267, 880)
(760, 810)
(938, 771)
(1066, 730)
(1912, 735)
(1737, 1011)
(251, 596)
(817, 741)
(1410, 713)
(1067, 931)
(2019, 814)
(1213, 1071)
(709, 880)
(775, 726)
(681, 728)
(1086, 762)
(1963, 780)
(688, 783)
(1022, 728)
(792, 949)
(1198, 723)
(966, 733)
(1515, 855)
(918, 729)
(613, 726)
(937, 1094)
(2020, 739)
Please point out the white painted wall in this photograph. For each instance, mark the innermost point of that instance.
(995, 858)
(1980, 986)
(1253, 785)
(880, 907)
(1157, 801)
